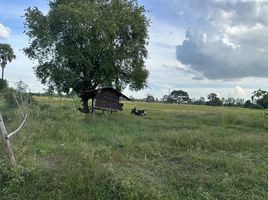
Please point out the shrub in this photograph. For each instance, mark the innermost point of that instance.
(215, 102)
(263, 101)
(248, 104)
(3, 84)
(22, 98)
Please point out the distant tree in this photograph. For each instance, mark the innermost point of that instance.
(212, 96)
(260, 97)
(200, 101)
(248, 104)
(239, 102)
(214, 100)
(230, 102)
(6, 55)
(3, 84)
(85, 44)
(178, 96)
(164, 98)
(263, 101)
(21, 87)
(150, 98)
(258, 94)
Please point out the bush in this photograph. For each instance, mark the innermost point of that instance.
(248, 104)
(215, 102)
(149, 98)
(263, 101)
(3, 84)
(12, 178)
(23, 98)
(198, 102)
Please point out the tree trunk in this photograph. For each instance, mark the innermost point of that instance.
(3, 73)
(85, 105)
(85, 97)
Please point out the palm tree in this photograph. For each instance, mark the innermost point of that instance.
(6, 55)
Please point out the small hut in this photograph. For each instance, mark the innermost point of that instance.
(106, 99)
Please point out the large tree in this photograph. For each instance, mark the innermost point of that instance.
(84, 44)
(260, 97)
(214, 100)
(258, 94)
(178, 96)
(6, 55)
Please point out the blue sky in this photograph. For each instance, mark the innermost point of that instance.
(200, 46)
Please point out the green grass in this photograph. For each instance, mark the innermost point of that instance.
(175, 152)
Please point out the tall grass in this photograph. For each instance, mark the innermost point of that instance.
(175, 152)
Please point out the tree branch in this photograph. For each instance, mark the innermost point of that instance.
(14, 132)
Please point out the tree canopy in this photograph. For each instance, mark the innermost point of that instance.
(261, 98)
(178, 96)
(84, 44)
(6, 55)
(214, 100)
(150, 98)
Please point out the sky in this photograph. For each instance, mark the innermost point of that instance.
(199, 46)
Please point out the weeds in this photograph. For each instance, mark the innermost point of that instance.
(176, 152)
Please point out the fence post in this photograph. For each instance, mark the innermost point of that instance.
(6, 141)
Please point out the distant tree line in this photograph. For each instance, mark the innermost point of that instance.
(259, 99)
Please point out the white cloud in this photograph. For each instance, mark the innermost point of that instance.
(4, 32)
(224, 26)
(235, 45)
(240, 91)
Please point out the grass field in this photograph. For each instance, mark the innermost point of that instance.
(175, 152)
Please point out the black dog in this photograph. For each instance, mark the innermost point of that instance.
(138, 112)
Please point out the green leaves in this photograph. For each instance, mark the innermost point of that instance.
(82, 44)
(6, 55)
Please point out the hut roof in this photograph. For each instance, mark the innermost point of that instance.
(92, 93)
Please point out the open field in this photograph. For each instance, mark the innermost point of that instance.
(176, 152)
